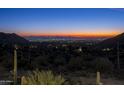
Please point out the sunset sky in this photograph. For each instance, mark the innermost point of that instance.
(62, 22)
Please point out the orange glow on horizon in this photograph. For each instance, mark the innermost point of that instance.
(88, 34)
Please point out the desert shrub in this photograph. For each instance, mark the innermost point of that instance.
(41, 62)
(75, 63)
(6, 60)
(43, 78)
(59, 60)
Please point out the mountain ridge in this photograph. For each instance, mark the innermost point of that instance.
(112, 42)
(11, 38)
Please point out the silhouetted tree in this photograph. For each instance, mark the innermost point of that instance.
(102, 64)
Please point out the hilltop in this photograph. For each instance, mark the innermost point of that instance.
(11, 38)
(112, 42)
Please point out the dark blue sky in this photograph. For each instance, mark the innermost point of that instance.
(40, 21)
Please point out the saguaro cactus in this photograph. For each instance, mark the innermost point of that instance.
(15, 65)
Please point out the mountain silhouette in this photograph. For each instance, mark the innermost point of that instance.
(12, 38)
(112, 42)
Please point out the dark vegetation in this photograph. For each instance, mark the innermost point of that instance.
(70, 59)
